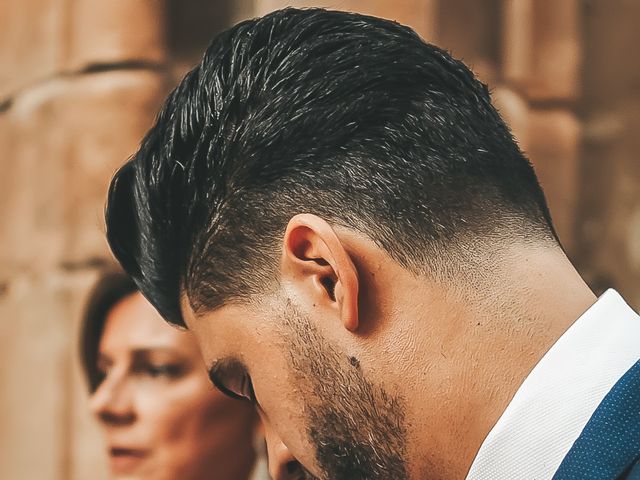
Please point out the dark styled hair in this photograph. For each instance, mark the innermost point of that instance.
(112, 286)
(350, 117)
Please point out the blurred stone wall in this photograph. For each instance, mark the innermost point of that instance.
(608, 207)
(81, 81)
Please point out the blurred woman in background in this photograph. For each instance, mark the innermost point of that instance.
(161, 417)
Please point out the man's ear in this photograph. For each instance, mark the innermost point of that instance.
(316, 260)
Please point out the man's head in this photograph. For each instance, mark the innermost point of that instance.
(312, 192)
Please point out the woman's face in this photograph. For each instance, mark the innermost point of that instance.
(161, 416)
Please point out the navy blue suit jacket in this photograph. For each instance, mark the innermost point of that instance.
(609, 446)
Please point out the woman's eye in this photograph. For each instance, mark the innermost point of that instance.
(167, 371)
(101, 373)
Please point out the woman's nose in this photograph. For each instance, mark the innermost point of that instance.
(282, 464)
(111, 402)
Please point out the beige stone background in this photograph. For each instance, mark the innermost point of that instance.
(80, 82)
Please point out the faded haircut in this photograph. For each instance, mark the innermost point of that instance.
(346, 116)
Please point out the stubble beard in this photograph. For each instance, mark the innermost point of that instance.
(357, 427)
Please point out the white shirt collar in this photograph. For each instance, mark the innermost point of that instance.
(554, 403)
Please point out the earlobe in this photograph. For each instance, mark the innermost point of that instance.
(312, 251)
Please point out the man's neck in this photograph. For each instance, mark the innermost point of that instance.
(511, 318)
(543, 296)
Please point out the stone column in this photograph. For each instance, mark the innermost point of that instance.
(609, 194)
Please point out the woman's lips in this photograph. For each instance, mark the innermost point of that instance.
(126, 460)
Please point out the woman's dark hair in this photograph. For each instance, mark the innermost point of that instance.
(112, 286)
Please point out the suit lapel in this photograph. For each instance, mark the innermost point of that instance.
(609, 445)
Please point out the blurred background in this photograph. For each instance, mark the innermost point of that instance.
(81, 80)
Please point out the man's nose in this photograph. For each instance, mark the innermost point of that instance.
(111, 403)
(282, 464)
